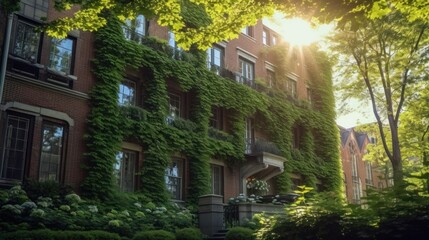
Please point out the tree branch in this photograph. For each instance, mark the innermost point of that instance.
(405, 74)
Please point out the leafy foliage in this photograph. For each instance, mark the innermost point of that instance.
(154, 235)
(125, 216)
(381, 61)
(149, 128)
(46, 234)
(240, 233)
(386, 215)
(188, 234)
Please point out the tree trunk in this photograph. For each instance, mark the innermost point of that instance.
(396, 159)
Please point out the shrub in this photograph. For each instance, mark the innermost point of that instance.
(188, 234)
(47, 188)
(240, 233)
(46, 234)
(154, 235)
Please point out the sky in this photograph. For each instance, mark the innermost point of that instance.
(360, 113)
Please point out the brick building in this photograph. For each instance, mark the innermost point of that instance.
(46, 105)
(359, 175)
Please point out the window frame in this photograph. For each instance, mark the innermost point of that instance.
(245, 65)
(72, 57)
(36, 8)
(266, 37)
(291, 87)
(216, 119)
(178, 109)
(180, 177)
(211, 57)
(129, 27)
(62, 152)
(220, 187)
(274, 39)
(248, 31)
(271, 78)
(29, 23)
(26, 147)
(121, 180)
(128, 83)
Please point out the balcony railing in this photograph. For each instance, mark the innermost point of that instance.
(260, 145)
(246, 81)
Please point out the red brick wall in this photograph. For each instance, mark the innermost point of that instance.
(76, 108)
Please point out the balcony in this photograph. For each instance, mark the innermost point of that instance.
(264, 161)
(260, 145)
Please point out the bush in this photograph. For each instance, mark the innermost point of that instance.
(240, 233)
(188, 234)
(47, 188)
(46, 234)
(154, 235)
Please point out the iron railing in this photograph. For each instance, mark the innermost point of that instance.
(231, 216)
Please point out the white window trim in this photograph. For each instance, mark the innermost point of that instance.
(270, 66)
(246, 55)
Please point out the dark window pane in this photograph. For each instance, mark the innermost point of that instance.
(50, 158)
(60, 57)
(12, 165)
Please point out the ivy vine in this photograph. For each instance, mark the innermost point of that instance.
(110, 124)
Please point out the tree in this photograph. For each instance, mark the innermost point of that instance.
(414, 133)
(201, 22)
(217, 20)
(382, 57)
(375, 152)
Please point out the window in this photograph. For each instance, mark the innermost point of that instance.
(15, 147)
(291, 87)
(216, 120)
(297, 137)
(217, 179)
(356, 181)
(135, 29)
(248, 31)
(271, 78)
(174, 177)
(265, 37)
(368, 170)
(309, 96)
(52, 152)
(274, 40)
(173, 106)
(61, 55)
(127, 93)
(215, 56)
(124, 170)
(247, 69)
(26, 43)
(35, 9)
(248, 137)
(177, 51)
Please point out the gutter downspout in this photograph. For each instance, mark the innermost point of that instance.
(5, 55)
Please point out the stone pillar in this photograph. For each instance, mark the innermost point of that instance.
(210, 214)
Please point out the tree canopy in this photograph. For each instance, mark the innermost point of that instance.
(218, 20)
(382, 60)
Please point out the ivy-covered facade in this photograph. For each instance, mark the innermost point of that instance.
(173, 124)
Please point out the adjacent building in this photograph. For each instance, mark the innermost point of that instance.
(359, 174)
(165, 120)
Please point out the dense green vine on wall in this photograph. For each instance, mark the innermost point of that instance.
(193, 138)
